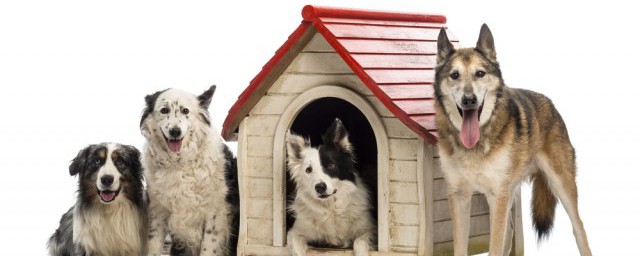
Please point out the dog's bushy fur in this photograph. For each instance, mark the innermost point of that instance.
(492, 137)
(332, 204)
(191, 176)
(109, 217)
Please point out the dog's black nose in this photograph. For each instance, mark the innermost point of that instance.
(321, 188)
(469, 101)
(175, 132)
(106, 180)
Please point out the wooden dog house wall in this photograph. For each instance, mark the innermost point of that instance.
(381, 63)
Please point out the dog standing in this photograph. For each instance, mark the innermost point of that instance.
(191, 176)
(332, 204)
(491, 138)
(109, 217)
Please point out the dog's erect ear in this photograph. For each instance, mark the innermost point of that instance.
(150, 101)
(445, 48)
(338, 137)
(205, 97)
(295, 145)
(485, 43)
(79, 163)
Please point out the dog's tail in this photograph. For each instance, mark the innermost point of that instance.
(543, 206)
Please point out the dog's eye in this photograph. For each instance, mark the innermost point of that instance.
(185, 111)
(455, 75)
(331, 166)
(309, 169)
(97, 161)
(164, 110)
(480, 74)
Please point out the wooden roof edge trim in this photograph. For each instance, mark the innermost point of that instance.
(231, 122)
(311, 13)
(372, 85)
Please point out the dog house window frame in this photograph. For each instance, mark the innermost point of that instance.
(279, 158)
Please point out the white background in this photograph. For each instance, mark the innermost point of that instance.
(74, 73)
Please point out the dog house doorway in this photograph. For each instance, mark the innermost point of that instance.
(312, 122)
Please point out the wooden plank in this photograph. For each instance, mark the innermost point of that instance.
(382, 110)
(479, 206)
(261, 125)
(383, 22)
(399, 76)
(424, 175)
(403, 192)
(414, 107)
(408, 91)
(243, 187)
(403, 170)
(440, 190)
(477, 245)
(259, 146)
(260, 208)
(296, 83)
(403, 149)
(319, 63)
(426, 121)
(388, 47)
(404, 214)
(272, 104)
(383, 32)
(279, 251)
(395, 61)
(260, 230)
(318, 44)
(444, 232)
(405, 236)
(396, 129)
(260, 188)
(259, 167)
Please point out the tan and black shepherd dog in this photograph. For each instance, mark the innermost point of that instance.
(492, 137)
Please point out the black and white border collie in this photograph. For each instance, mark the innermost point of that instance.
(191, 176)
(109, 217)
(332, 204)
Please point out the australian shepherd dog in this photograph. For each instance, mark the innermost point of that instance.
(191, 176)
(332, 205)
(109, 217)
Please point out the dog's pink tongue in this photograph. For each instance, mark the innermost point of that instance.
(107, 196)
(470, 132)
(174, 145)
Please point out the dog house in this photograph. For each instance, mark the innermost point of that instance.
(374, 70)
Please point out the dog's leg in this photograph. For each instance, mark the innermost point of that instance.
(460, 208)
(157, 231)
(215, 238)
(361, 244)
(296, 243)
(560, 172)
(499, 205)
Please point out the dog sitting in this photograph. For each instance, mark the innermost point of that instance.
(332, 205)
(109, 217)
(191, 176)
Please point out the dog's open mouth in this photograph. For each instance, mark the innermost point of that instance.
(175, 145)
(470, 129)
(108, 196)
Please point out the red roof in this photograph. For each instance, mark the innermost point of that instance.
(392, 53)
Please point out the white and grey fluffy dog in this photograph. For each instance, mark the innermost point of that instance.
(332, 205)
(109, 216)
(191, 176)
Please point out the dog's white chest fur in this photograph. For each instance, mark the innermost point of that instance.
(110, 229)
(480, 172)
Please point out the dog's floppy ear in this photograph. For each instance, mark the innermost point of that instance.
(131, 157)
(79, 163)
(338, 137)
(485, 43)
(150, 103)
(295, 145)
(205, 97)
(445, 48)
